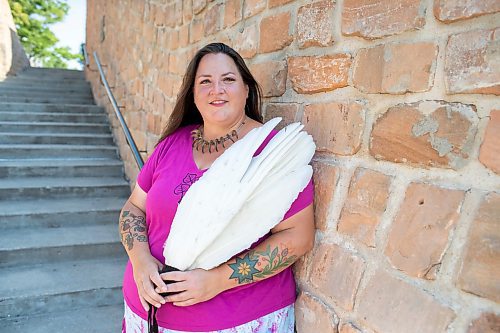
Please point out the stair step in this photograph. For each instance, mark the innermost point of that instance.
(57, 188)
(52, 100)
(53, 127)
(62, 138)
(44, 71)
(6, 88)
(43, 213)
(53, 117)
(103, 319)
(35, 83)
(56, 168)
(60, 152)
(59, 286)
(50, 108)
(39, 246)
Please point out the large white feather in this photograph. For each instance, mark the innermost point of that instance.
(214, 220)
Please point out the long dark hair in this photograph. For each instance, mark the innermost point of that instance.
(185, 111)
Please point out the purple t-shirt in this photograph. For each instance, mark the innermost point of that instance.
(166, 176)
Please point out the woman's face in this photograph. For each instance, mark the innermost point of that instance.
(219, 91)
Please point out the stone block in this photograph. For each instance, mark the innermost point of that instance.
(489, 154)
(390, 305)
(314, 74)
(365, 204)
(212, 20)
(487, 323)
(480, 268)
(454, 10)
(336, 273)
(395, 68)
(271, 76)
(274, 33)
(232, 12)
(378, 18)
(315, 24)
(314, 316)
(472, 63)
(425, 134)
(287, 111)
(336, 127)
(325, 180)
(246, 42)
(253, 7)
(420, 233)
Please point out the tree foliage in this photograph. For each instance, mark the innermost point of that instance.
(33, 19)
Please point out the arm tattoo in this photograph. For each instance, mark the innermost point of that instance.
(132, 227)
(245, 269)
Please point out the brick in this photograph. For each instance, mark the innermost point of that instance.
(453, 10)
(395, 68)
(274, 33)
(420, 232)
(315, 24)
(487, 323)
(390, 305)
(480, 270)
(325, 180)
(154, 123)
(489, 154)
(196, 30)
(275, 3)
(314, 316)
(246, 42)
(424, 134)
(336, 127)
(471, 63)
(199, 5)
(271, 76)
(253, 7)
(183, 36)
(232, 12)
(336, 273)
(378, 18)
(348, 328)
(187, 10)
(365, 204)
(287, 111)
(316, 74)
(211, 24)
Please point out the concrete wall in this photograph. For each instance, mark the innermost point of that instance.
(12, 56)
(402, 100)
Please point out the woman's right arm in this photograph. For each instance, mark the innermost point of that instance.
(134, 237)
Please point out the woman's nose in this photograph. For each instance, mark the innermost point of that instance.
(218, 87)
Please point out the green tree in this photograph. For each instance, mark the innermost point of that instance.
(33, 19)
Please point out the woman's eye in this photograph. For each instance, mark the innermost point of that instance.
(204, 81)
(229, 79)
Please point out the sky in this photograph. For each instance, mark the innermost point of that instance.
(71, 31)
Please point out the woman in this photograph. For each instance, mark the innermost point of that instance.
(254, 291)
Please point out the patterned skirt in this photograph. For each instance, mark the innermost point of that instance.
(280, 321)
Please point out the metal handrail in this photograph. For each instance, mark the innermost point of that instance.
(126, 131)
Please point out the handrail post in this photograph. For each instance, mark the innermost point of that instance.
(126, 131)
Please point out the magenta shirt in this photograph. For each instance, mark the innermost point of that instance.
(166, 176)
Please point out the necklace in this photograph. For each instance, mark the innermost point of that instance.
(207, 145)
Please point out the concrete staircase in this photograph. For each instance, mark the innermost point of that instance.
(61, 189)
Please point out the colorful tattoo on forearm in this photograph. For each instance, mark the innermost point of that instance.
(132, 227)
(246, 269)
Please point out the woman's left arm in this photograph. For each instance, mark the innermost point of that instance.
(289, 240)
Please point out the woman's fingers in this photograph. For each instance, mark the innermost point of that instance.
(144, 303)
(151, 295)
(159, 283)
(173, 287)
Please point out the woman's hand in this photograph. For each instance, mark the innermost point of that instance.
(146, 278)
(193, 286)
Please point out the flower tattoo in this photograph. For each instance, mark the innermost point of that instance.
(244, 269)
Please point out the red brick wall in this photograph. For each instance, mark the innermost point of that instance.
(402, 100)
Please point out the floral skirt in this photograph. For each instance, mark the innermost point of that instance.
(280, 321)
